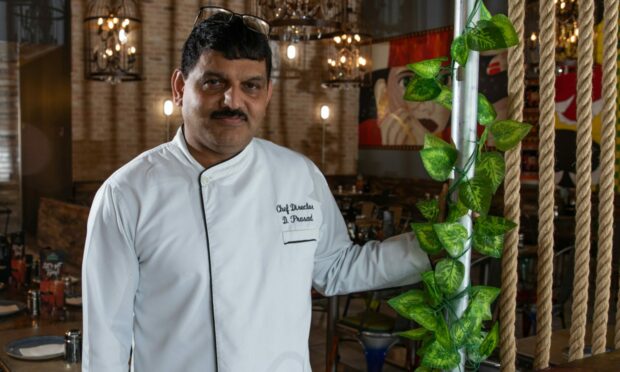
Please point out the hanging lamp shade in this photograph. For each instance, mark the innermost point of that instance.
(112, 41)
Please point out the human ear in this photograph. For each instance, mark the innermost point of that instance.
(178, 85)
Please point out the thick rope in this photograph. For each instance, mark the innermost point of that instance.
(546, 195)
(606, 183)
(512, 198)
(584, 179)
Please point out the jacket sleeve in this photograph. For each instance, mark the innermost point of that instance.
(109, 283)
(342, 267)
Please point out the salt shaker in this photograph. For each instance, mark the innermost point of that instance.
(73, 346)
(34, 303)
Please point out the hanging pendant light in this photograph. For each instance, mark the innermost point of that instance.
(113, 38)
(348, 63)
(302, 20)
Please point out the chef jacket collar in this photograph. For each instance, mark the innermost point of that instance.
(222, 169)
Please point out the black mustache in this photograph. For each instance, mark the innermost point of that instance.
(222, 114)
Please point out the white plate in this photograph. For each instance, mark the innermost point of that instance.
(11, 307)
(73, 301)
(36, 348)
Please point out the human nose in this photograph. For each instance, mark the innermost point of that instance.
(233, 97)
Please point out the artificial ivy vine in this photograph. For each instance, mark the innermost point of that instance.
(442, 332)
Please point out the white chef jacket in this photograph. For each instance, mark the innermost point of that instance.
(211, 269)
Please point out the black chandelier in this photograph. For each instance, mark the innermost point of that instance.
(113, 36)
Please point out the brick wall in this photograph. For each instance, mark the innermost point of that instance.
(113, 124)
(62, 226)
(9, 150)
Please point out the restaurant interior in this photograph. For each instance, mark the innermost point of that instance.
(75, 108)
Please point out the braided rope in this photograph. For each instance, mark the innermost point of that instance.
(584, 179)
(546, 199)
(606, 192)
(512, 197)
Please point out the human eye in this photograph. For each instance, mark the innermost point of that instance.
(213, 84)
(253, 86)
(404, 79)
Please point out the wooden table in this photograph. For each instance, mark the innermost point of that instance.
(526, 347)
(606, 362)
(10, 364)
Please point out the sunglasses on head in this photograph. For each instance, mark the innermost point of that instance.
(254, 23)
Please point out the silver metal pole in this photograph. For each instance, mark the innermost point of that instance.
(464, 122)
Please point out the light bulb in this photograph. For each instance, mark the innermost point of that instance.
(109, 52)
(337, 39)
(100, 21)
(125, 22)
(168, 107)
(110, 24)
(115, 20)
(117, 47)
(343, 59)
(325, 112)
(291, 52)
(357, 38)
(573, 39)
(533, 37)
(576, 31)
(122, 36)
(361, 61)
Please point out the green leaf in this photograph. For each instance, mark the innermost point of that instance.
(432, 141)
(508, 133)
(445, 97)
(483, 140)
(429, 242)
(485, 15)
(476, 194)
(481, 311)
(414, 334)
(425, 316)
(428, 69)
(429, 209)
(490, 341)
(484, 294)
(507, 29)
(437, 356)
(492, 166)
(439, 161)
(452, 236)
(404, 303)
(430, 287)
(485, 36)
(456, 211)
(473, 349)
(459, 51)
(465, 329)
(492, 225)
(420, 89)
(426, 341)
(486, 111)
(449, 275)
(423, 369)
(490, 245)
(442, 334)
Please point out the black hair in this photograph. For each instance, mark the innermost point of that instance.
(233, 39)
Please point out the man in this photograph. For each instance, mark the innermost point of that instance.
(201, 252)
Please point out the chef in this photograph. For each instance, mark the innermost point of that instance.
(201, 253)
